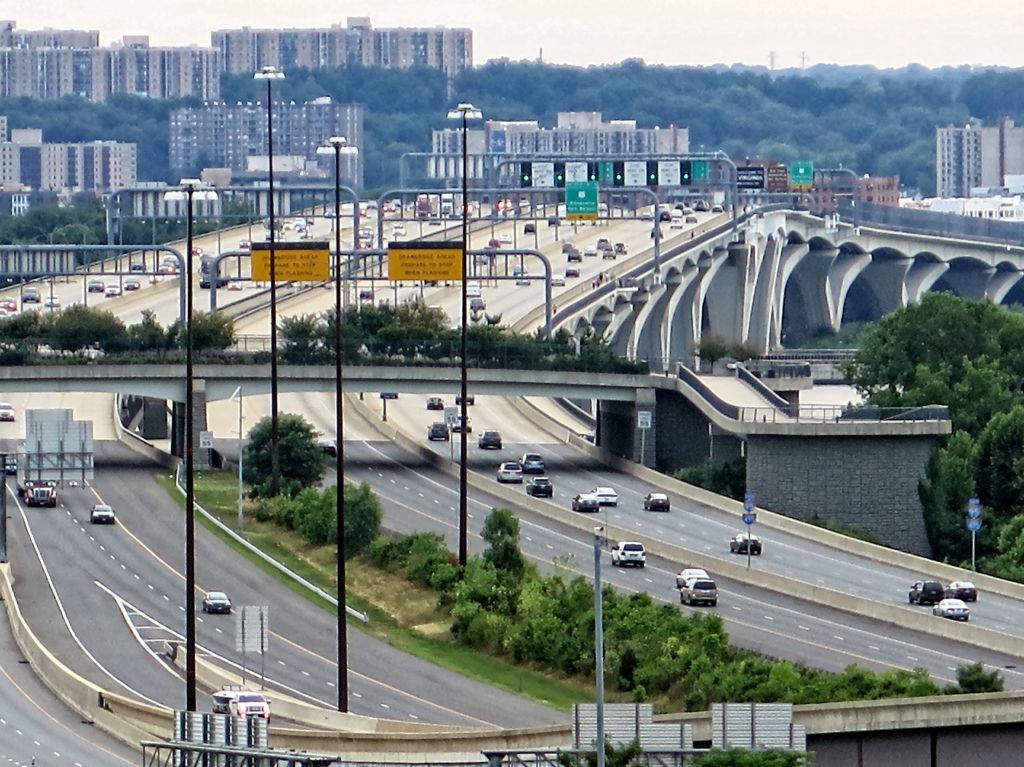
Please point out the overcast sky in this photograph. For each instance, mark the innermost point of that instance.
(885, 33)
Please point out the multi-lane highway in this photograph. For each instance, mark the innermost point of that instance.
(118, 590)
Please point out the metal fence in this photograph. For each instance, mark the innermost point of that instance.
(931, 222)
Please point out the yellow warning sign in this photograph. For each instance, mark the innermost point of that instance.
(424, 261)
(293, 261)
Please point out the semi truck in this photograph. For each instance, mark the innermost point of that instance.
(38, 492)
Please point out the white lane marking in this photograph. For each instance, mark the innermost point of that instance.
(802, 628)
(836, 636)
(876, 649)
(911, 657)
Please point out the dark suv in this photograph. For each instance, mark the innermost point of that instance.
(926, 593)
(438, 430)
(489, 440)
(540, 487)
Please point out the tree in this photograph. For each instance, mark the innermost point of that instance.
(972, 678)
(739, 758)
(944, 496)
(301, 461)
(501, 532)
(80, 327)
(210, 332)
(302, 340)
(363, 515)
(713, 348)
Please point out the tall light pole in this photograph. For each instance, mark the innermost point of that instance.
(599, 644)
(270, 74)
(465, 113)
(338, 145)
(190, 189)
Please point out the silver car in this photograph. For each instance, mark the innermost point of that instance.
(954, 609)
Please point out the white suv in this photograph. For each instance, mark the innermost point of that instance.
(629, 553)
(510, 471)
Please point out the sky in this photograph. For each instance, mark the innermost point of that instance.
(883, 33)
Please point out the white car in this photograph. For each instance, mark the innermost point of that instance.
(510, 471)
(954, 609)
(688, 574)
(112, 291)
(398, 230)
(629, 553)
(505, 239)
(7, 411)
(606, 496)
(51, 302)
(557, 280)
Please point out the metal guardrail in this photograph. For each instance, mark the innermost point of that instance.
(841, 414)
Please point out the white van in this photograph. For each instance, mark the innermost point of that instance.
(677, 220)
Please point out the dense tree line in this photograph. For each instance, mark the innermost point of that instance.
(878, 122)
(968, 355)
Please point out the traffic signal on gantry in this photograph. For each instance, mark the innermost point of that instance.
(559, 174)
(618, 173)
(652, 173)
(525, 174)
(685, 172)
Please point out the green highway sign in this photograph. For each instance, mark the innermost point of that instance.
(699, 170)
(801, 175)
(581, 200)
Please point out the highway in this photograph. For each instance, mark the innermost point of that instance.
(129, 575)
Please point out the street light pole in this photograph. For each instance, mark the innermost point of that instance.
(463, 112)
(599, 645)
(270, 74)
(337, 144)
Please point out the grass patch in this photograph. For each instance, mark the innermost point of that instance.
(402, 614)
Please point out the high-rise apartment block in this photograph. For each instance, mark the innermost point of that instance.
(576, 134)
(358, 44)
(93, 166)
(51, 64)
(235, 135)
(974, 156)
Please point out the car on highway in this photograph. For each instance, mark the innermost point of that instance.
(235, 285)
(8, 304)
(132, 284)
(699, 591)
(244, 245)
(557, 281)
(646, 215)
(435, 403)
(398, 230)
(574, 257)
(532, 463)
(477, 304)
(590, 250)
(505, 239)
(608, 254)
(95, 286)
(620, 249)
(925, 593)
(470, 400)
(606, 496)
(137, 266)
(954, 609)
(216, 602)
(657, 502)
(457, 426)
(101, 514)
(242, 703)
(113, 290)
(7, 412)
(571, 271)
(30, 296)
(509, 471)
(365, 294)
(717, 209)
(964, 590)
(568, 247)
(328, 446)
(585, 502)
(701, 206)
(540, 487)
(629, 554)
(553, 221)
(690, 574)
(51, 302)
(11, 464)
(522, 279)
(489, 440)
(529, 228)
(603, 243)
(744, 542)
(438, 431)
(691, 219)
(494, 242)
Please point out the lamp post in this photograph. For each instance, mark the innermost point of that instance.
(270, 74)
(190, 189)
(339, 145)
(463, 112)
(599, 644)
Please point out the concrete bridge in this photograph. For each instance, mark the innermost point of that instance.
(781, 276)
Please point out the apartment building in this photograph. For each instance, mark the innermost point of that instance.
(94, 167)
(975, 156)
(234, 136)
(576, 134)
(51, 64)
(357, 44)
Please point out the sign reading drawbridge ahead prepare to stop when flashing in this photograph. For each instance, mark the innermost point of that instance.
(293, 261)
(424, 261)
